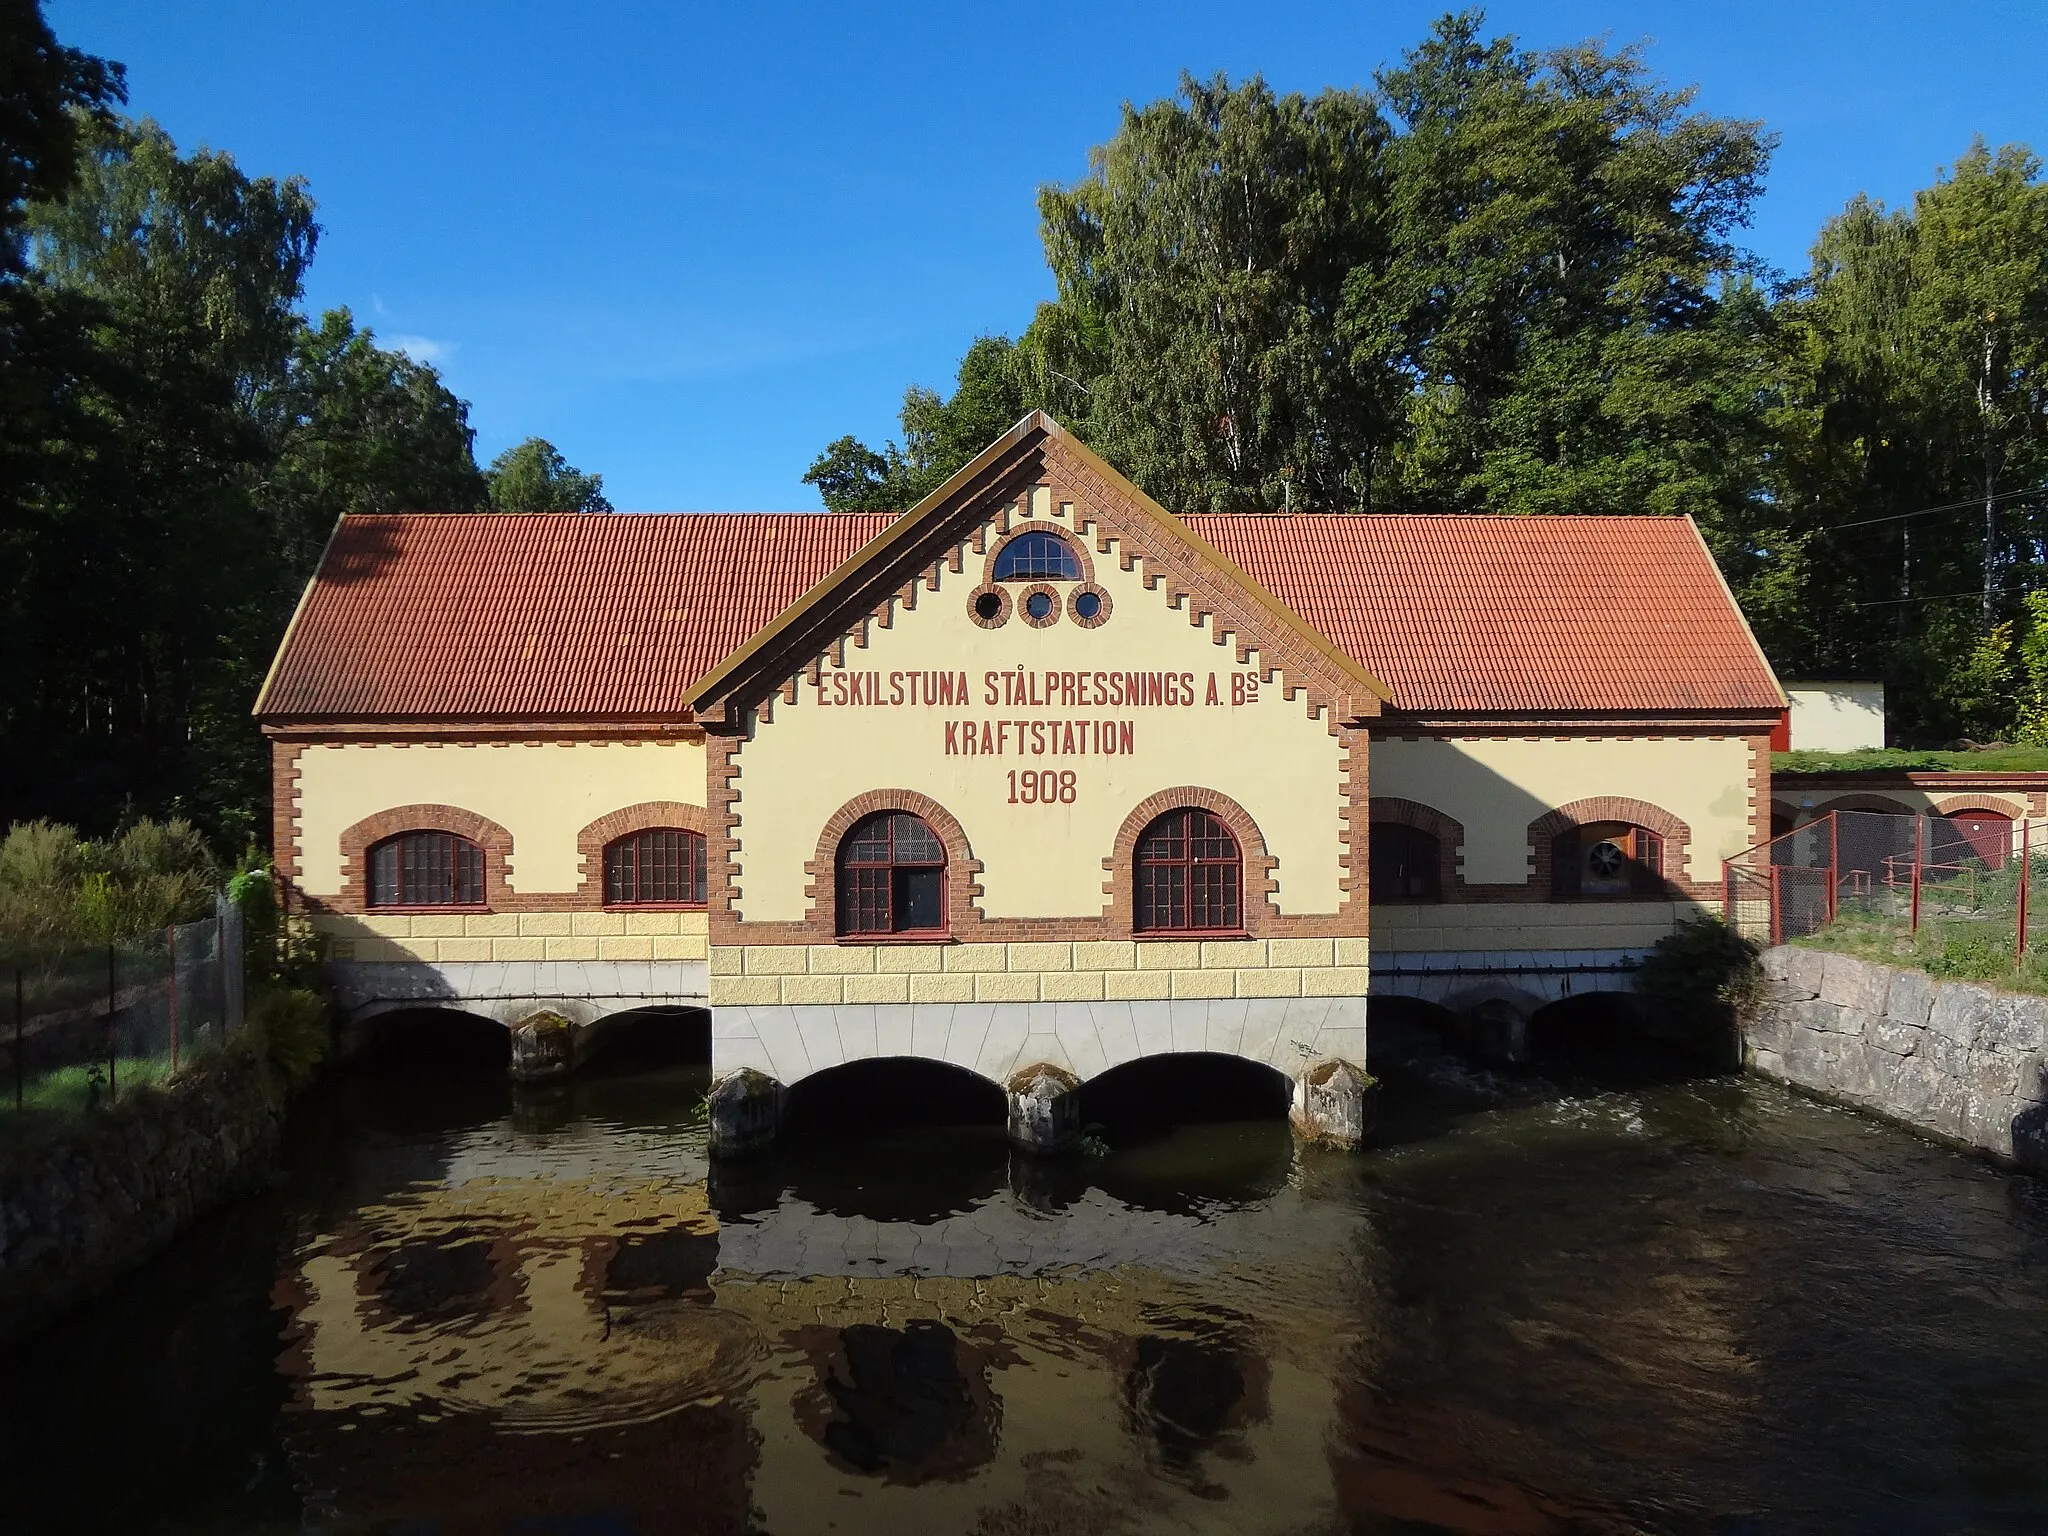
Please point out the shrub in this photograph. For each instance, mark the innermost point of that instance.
(292, 1029)
(60, 891)
(1705, 976)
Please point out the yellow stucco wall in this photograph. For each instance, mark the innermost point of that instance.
(455, 936)
(1080, 972)
(810, 758)
(1496, 787)
(544, 794)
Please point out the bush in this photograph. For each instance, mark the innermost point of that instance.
(291, 1027)
(1705, 977)
(59, 891)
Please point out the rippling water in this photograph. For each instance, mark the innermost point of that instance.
(1540, 1305)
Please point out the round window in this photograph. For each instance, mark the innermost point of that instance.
(988, 605)
(1039, 605)
(1087, 605)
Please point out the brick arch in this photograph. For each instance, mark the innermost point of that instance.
(357, 840)
(963, 889)
(1990, 805)
(647, 816)
(1022, 526)
(1260, 881)
(1676, 834)
(1448, 831)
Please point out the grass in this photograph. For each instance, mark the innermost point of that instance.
(1952, 946)
(67, 1092)
(2007, 759)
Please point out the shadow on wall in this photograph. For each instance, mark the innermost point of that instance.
(2030, 1125)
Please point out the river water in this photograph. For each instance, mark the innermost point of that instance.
(1575, 1301)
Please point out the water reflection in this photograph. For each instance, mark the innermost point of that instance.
(1544, 1306)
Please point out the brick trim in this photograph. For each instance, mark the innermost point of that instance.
(821, 893)
(356, 841)
(1676, 834)
(284, 820)
(1260, 882)
(1448, 831)
(644, 817)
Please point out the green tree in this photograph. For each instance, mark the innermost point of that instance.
(1201, 269)
(1561, 294)
(534, 477)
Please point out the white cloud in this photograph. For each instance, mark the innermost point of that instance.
(422, 349)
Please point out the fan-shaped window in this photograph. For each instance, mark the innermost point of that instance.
(1037, 556)
(1606, 858)
(426, 869)
(1405, 863)
(661, 867)
(1190, 875)
(892, 877)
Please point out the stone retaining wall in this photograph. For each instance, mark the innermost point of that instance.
(81, 1212)
(1964, 1061)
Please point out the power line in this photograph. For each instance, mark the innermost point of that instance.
(1952, 506)
(1932, 597)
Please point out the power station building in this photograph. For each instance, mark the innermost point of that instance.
(1036, 778)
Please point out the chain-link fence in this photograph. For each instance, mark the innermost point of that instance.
(81, 1026)
(1918, 884)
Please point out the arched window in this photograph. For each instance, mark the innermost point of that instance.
(1405, 863)
(1606, 858)
(426, 869)
(892, 877)
(1037, 556)
(1190, 875)
(660, 867)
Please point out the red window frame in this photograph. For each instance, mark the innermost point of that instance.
(1187, 876)
(659, 867)
(423, 870)
(882, 867)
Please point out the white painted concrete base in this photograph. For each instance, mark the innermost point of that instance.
(582, 991)
(789, 1043)
(1462, 980)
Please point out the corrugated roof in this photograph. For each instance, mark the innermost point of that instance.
(1514, 615)
(542, 615)
(579, 615)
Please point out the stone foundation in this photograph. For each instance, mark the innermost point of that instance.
(1963, 1061)
(83, 1211)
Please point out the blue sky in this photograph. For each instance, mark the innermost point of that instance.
(691, 244)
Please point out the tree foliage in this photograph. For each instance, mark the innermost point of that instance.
(534, 477)
(1505, 281)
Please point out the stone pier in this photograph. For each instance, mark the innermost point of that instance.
(1045, 1108)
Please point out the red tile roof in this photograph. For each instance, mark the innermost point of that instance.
(1513, 615)
(554, 616)
(587, 615)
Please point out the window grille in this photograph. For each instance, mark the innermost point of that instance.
(1190, 875)
(426, 869)
(892, 877)
(662, 866)
(1038, 556)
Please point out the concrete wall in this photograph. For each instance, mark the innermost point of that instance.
(1963, 1061)
(1836, 717)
